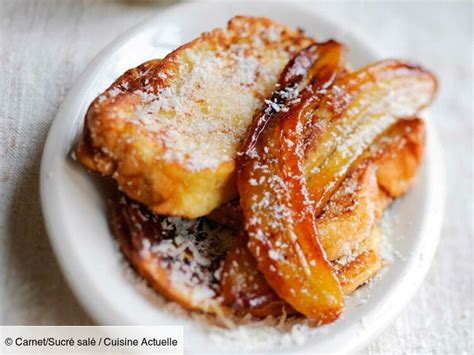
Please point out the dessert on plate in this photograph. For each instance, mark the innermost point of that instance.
(253, 164)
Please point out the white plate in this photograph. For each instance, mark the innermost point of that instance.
(74, 203)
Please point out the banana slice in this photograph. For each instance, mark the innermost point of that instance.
(346, 226)
(278, 215)
(357, 108)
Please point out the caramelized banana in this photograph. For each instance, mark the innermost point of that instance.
(244, 288)
(354, 273)
(398, 154)
(278, 215)
(356, 109)
(385, 171)
(350, 215)
(345, 226)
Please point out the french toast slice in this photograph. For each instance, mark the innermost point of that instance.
(168, 131)
(178, 257)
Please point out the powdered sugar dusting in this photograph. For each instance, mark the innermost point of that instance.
(200, 111)
(187, 251)
(253, 334)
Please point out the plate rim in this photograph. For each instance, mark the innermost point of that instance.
(431, 226)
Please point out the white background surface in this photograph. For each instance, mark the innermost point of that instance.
(44, 45)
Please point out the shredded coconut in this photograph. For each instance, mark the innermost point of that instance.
(248, 332)
(200, 111)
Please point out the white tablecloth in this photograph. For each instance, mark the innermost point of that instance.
(44, 45)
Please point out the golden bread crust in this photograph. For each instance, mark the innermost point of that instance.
(178, 257)
(168, 131)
